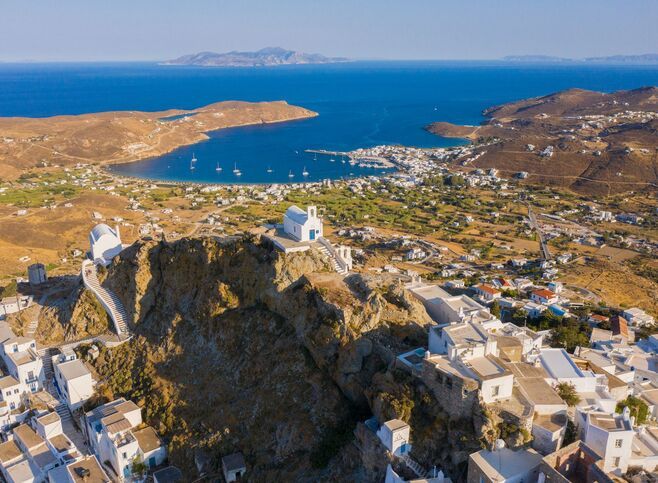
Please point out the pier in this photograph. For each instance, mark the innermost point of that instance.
(328, 153)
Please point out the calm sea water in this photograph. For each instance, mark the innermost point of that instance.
(361, 104)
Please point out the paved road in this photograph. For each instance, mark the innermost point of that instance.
(545, 253)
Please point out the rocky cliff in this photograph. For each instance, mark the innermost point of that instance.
(239, 347)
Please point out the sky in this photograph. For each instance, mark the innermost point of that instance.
(104, 30)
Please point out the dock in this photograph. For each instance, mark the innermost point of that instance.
(328, 153)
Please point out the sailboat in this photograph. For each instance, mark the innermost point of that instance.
(315, 158)
(304, 173)
(235, 168)
(192, 161)
(290, 175)
(218, 168)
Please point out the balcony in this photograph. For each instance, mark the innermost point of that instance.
(123, 439)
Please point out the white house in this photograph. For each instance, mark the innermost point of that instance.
(153, 452)
(394, 434)
(86, 468)
(504, 465)
(23, 363)
(113, 438)
(638, 317)
(611, 437)
(74, 382)
(487, 293)
(544, 296)
(105, 244)
(233, 467)
(11, 392)
(302, 225)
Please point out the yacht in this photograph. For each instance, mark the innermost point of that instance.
(218, 168)
(238, 173)
(304, 173)
(269, 170)
(290, 175)
(193, 158)
(235, 168)
(332, 160)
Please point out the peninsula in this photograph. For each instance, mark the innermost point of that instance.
(268, 56)
(124, 136)
(590, 142)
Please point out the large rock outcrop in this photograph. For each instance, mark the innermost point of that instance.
(239, 347)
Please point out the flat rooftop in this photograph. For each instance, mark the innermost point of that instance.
(90, 463)
(522, 369)
(609, 422)
(73, 369)
(429, 292)
(539, 392)
(485, 367)
(552, 422)
(559, 365)
(504, 464)
(463, 302)
(464, 333)
(28, 436)
(9, 451)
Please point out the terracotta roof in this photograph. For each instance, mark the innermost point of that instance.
(488, 289)
(600, 318)
(544, 293)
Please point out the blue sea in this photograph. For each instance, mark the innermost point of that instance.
(361, 104)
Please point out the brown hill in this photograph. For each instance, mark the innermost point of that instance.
(602, 143)
(124, 136)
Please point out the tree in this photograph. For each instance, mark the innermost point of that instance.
(639, 409)
(568, 393)
(495, 309)
(570, 434)
(138, 468)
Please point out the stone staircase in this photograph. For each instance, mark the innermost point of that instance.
(332, 259)
(46, 360)
(414, 466)
(63, 411)
(46, 354)
(107, 298)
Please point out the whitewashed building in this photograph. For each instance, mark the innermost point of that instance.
(302, 225)
(105, 244)
(111, 431)
(394, 434)
(23, 363)
(74, 382)
(611, 437)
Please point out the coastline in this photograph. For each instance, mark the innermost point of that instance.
(121, 137)
(204, 137)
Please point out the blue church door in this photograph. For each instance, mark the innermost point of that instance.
(311, 234)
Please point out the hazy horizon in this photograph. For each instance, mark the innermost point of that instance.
(156, 30)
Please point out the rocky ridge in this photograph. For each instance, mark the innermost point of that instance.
(239, 347)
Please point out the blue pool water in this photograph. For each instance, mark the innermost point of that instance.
(361, 104)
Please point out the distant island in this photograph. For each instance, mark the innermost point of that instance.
(265, 57)
(611, 59)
